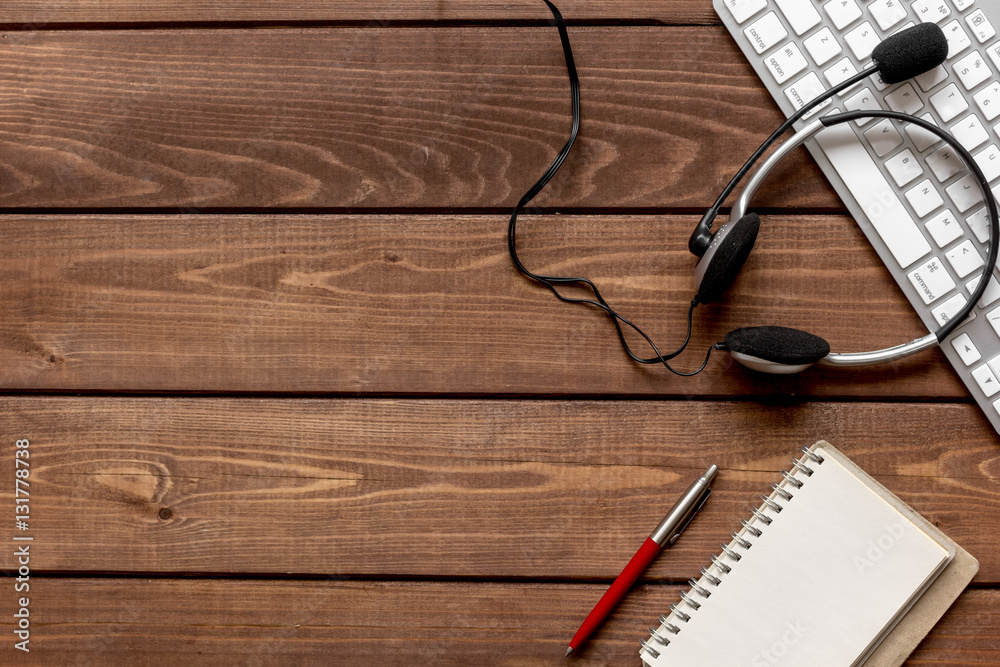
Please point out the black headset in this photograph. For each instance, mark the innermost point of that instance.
(774, 349)
(782, 350)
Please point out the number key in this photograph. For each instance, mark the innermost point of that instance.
(958, 41)
(972, 70)
(931, 11)
(988, 100)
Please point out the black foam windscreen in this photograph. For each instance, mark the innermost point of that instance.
(911, 52)
(778, 344)
(729, 258)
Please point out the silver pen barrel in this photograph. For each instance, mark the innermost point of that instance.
(683, 511)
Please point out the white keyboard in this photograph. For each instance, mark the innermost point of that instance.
(908, 191)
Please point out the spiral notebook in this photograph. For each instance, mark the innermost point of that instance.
(829, 569)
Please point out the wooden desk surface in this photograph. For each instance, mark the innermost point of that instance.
(289, 402)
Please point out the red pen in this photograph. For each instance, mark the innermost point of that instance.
(665, 534)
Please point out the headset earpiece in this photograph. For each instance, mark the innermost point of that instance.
(723, 260)
(775, 349)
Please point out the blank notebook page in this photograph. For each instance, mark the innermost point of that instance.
(835, 570)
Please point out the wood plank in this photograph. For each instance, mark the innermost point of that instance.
(485, 489)
(426, 304)
(366, 117)
(223, 622)
(36, 13)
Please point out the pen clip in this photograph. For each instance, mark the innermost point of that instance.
(687, 519)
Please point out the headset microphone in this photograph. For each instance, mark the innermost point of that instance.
(902, 56)
(910, 53)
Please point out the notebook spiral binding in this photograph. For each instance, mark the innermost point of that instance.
(722, 564)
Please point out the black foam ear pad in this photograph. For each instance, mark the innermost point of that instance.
(728, 258)
(778, 344)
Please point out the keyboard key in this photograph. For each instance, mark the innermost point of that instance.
(994, 365)
(920, 137)
(944, 228)
(991, 294)
(970, 132)
(972, 70)
(988, 100)
(786, 62)
(862, 40)
(876, 78)
(949, 102)
(949, 309)
(986, 380)
(744, 9)
(993, 52)
(931, 78)
(979, 223)
(800, 14)
(805, 90)
(988, 160)
(944, 163)
(964, 258)
(887, 13)
(966, 349)
(884, 137)
(874, 194)
(931, 281)
(822, 46)
(965, 193)
(962, 5)
(981, 26)
(842, 71)
(903, 167)
(924, 198)
(766, 32)
(958, 41)
(931, 11)
(994, 319)
(904, 99)
(863, 101)
(842, 12)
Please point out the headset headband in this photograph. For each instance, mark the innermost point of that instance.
(931, 339)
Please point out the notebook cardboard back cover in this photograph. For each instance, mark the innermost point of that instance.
(928, 610)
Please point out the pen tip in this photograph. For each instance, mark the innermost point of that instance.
(568, 651)
(710, 473)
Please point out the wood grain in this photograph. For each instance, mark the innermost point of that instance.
(176, 621)
(37, 14)
(381, 117)
(291, 181)
(483, 489)
(424, 304)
